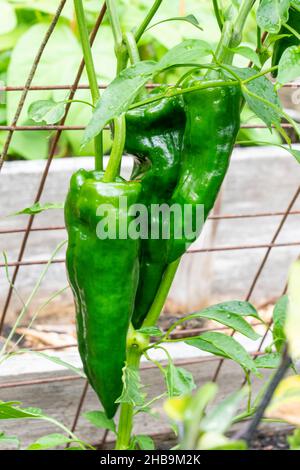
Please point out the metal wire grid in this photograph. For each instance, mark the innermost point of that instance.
(28, 229)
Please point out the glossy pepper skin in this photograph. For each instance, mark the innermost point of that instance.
(283, 43)
(103, 274)
(154, 137)
(213, 121)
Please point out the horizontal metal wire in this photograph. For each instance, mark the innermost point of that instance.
(147, 366)
(212, 217)
(57, 127)
(86, 87)
(191, 251)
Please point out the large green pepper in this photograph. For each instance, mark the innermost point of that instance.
(154, 137)
(103, 274)
(213, 121)
(290, 40)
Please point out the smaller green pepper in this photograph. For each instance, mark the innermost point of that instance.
(154, 136)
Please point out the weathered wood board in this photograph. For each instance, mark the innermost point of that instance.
(259, 180)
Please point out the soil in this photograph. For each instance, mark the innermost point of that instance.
(271, 440)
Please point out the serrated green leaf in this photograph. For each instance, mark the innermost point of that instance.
(279, 318)
(289, 65)
(228, 347)
(47, 111)
(132, 387)
(271, 14)
(100, 420)
(179, 381)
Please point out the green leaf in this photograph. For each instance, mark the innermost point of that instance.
(268, 361)
(122, 91)
(296, 4)
(294, 440)
(132, 386)
(263, 88)
(295, 153)
(279, 318)
(227, 346)
(189, 19)
(271, 14)
(289, 65)
(248, 53)
(100, 420)
(220, 418)
(216, 441)
(11, 440)
(144, 442)
(151, 331)
(118, 96)
(230, 314)
(8, 411)
(57, 360)
(179, 381)
(47, 111)
(8, 17)
(49, 442)
(37, 208)
(188, 52)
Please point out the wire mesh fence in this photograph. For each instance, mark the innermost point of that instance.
(23, 258)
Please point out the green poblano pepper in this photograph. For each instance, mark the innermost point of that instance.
(103, 274)
(213, 121)
(154, 137)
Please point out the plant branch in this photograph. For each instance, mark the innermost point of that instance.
(115, 158)
(132, 48)
(141, 29)
(280, 373)
(91, 73)
(218, 13)
(161, 295)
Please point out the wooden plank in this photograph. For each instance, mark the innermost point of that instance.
(259, 180)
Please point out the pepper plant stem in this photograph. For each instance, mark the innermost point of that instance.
(91, 73)
(127, 410)
(114, 163)
(139, 32)
(161, 295)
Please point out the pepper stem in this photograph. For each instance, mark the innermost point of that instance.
(161, 296)
(136, 343)
(90, 69)
(114, 163)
